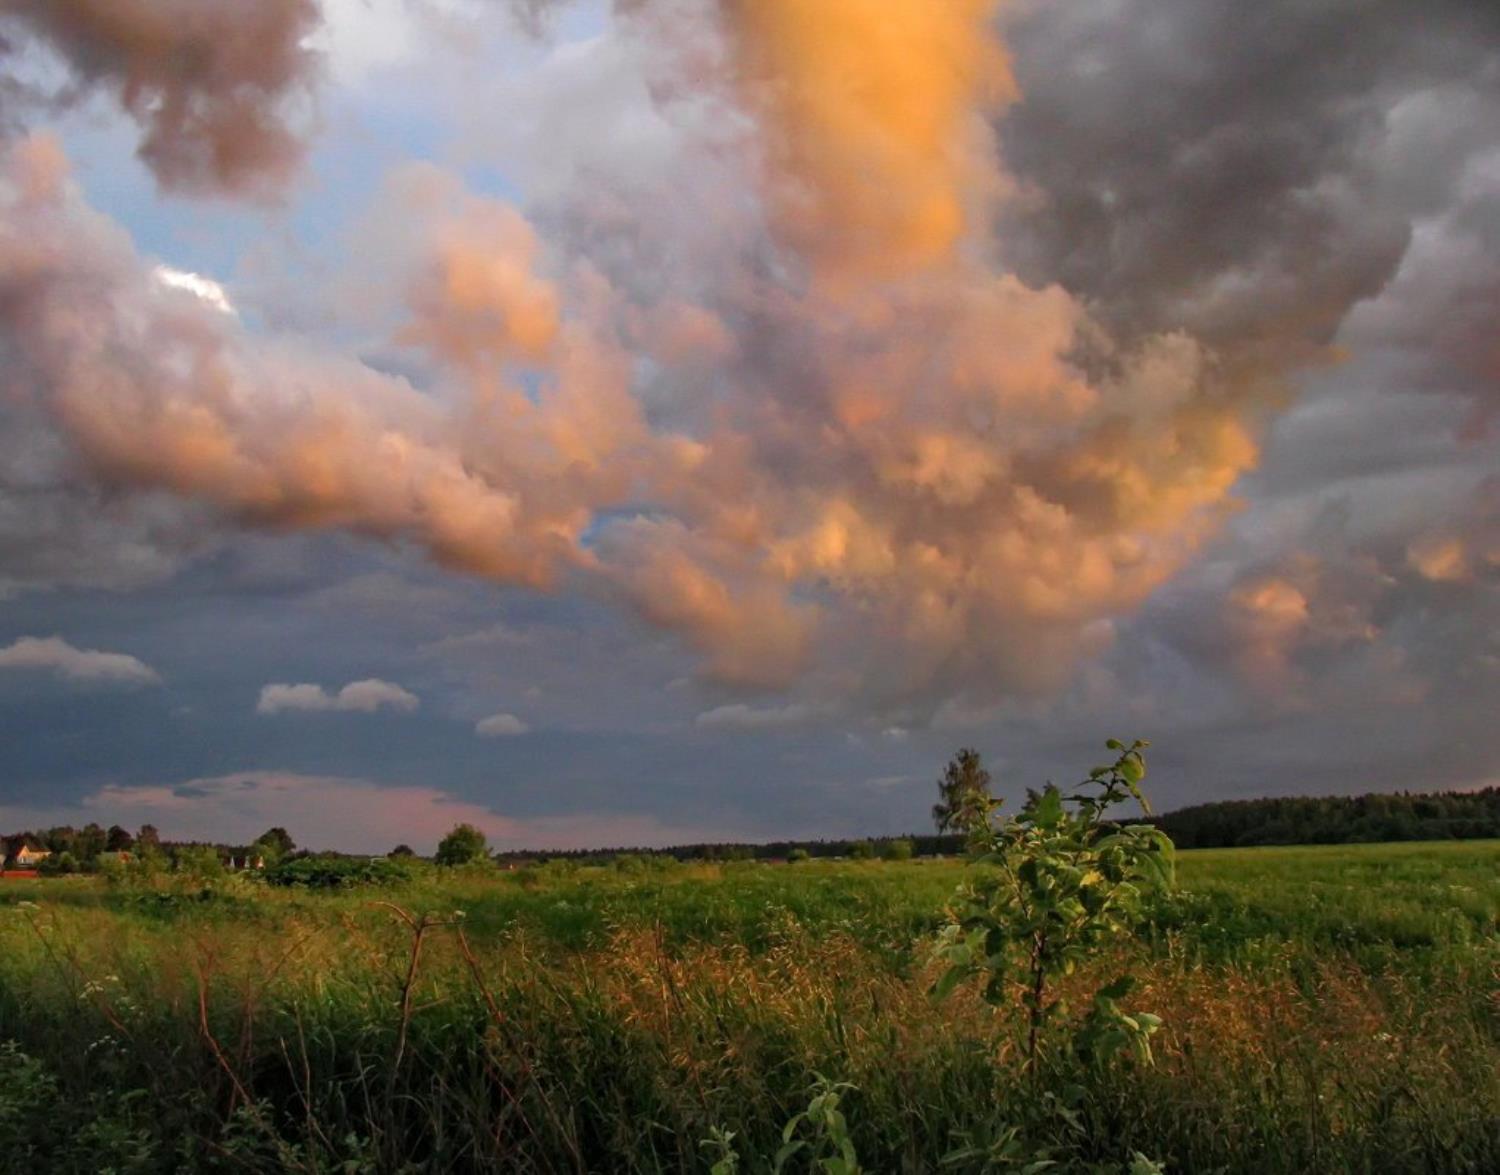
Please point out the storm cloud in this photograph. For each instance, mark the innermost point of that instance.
(928, 368)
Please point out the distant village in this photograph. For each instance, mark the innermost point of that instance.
(93, 849)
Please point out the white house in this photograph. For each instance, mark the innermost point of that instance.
(28, 857)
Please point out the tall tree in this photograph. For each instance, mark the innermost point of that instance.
(90, 842)
(963, 792)
(118, 840)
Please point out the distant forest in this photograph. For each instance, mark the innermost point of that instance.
(1336, 820)
(1290, 820)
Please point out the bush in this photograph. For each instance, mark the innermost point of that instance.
(896, 850)
(331, 872)
(798, 855)
(57, 864)
(464, 845)
(199, 862)
(862, 850)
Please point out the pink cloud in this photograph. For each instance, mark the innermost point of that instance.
(337, 812)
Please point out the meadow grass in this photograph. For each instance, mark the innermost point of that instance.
(1325, 1010)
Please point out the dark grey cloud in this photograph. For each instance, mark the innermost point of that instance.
(1312, 190)
(60, 530)
(215, 85)
(1248, 172)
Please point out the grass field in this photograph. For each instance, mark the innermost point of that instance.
(1325, 1010)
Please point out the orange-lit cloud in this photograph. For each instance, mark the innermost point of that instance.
(873, 114)
(864, 454)
(1308, 604)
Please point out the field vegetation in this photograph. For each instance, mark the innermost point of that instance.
(1322, 1009)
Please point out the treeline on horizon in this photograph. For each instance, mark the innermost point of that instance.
(1278, 820)
(1336, 820)
(1281, 820)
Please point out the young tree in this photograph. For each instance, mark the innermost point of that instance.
(148, 839)
(1059, 882)
(963, 791)
(276, 843)
(463, 845)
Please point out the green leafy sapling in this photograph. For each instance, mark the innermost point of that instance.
(820, 1133)
(1049, 888)
(721, 1150)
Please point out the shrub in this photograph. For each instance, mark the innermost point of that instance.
(896, 850)
(333, 872)
(464, 845)
(57, 864)
(199, 862)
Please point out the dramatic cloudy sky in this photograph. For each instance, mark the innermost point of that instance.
(678, 419)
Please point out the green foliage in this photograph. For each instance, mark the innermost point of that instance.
(326, 871)
(862, 850)
(40, 1130)
(274, 844)
(1292, 820)
(963, 793)
(1050, 887)
(27, 1091)
(198, 862)
(464, 845)
(720, 1147)
(819, 1135)
(796, 855)
(58, 864)
(895, 850)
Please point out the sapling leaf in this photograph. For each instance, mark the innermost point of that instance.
(1116, 989)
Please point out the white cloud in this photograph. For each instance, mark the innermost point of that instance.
(363, 696)
(55, 654)
(201, 287)
(739, 716)
(500, 726)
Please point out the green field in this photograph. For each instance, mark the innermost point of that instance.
(1325, 1010)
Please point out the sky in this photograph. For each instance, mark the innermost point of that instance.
(658, 421)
